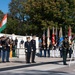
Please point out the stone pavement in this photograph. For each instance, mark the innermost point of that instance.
(40, 61)
(43, 66)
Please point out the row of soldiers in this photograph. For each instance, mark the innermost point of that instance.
(48, 46)
(6, 43)
(64, 49)
(30, 49)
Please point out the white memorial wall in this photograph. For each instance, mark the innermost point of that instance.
(20, 52)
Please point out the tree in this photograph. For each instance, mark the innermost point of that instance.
(17, 17)
(1, 15)
(34, 16)
(44, 13)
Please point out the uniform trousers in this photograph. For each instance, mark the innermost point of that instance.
(33, 55)
(28, 54)
(64, 56)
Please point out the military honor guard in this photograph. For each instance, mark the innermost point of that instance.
(65, 49)
(33, 45)
(27, 46)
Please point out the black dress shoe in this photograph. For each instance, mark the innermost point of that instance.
(27, 62)
(65, 64)
(33, 62)
(7, 61)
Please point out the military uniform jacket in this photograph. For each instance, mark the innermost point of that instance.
(27, 46)
(65, 45)
(33, 44)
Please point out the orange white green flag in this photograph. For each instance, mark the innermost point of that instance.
(3, 23)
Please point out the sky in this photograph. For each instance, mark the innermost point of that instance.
(4, 5)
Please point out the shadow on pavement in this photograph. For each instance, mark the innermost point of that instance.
(35, 72)
(28, 65)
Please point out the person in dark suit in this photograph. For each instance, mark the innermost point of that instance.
(65, 50)
(27, 46)
(33, 44)
(7, 49)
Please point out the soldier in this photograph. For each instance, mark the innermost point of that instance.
(65, 50)
(27, 46)
(33, 44)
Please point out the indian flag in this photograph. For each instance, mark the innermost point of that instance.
(3, 23)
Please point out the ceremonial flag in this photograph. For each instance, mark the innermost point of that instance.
(48, 37)
(3, 23)
(60, 37)
(53, 37)
(69, 34)
(56, 36)
(43, 38)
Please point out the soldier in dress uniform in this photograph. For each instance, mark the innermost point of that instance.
(33, 44)
(65, 49)
(27, 46)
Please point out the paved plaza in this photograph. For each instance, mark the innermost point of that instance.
(43, 66)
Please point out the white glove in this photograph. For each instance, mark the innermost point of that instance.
(8, 45)
(32, 49)
(26, 50)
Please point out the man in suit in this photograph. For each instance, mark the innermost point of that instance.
(27, 46)
(7, 49)
(33, 44)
